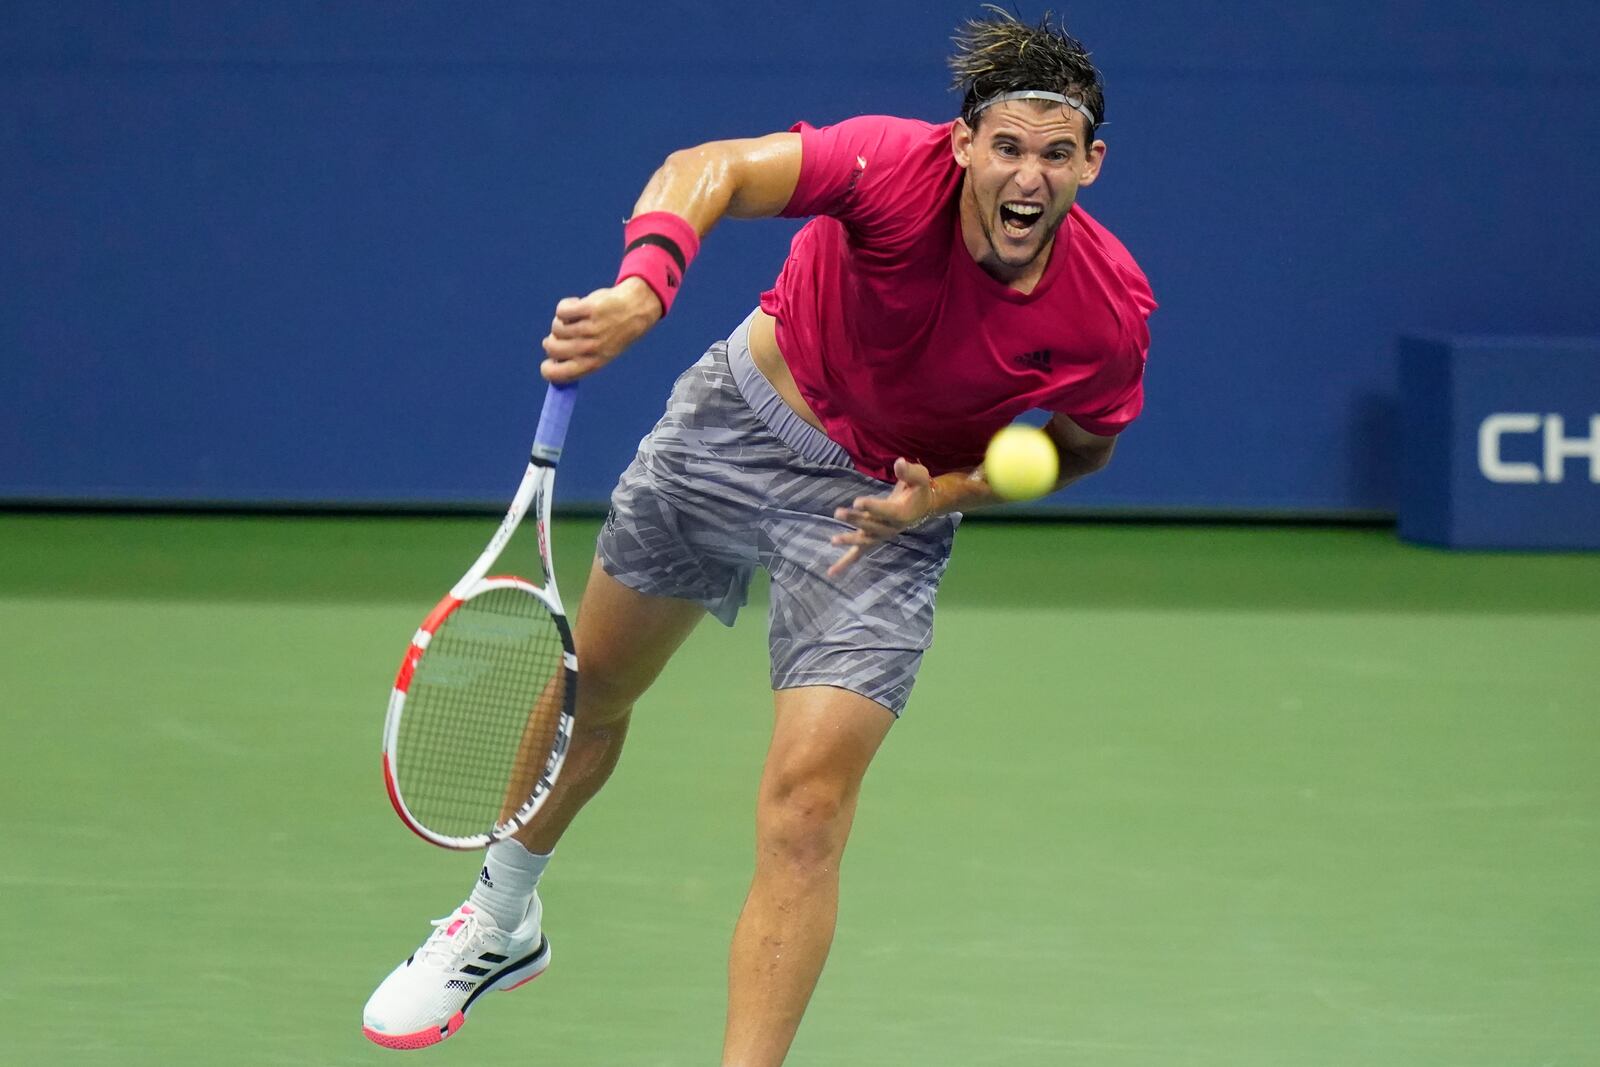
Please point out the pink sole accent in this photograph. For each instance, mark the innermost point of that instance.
(421, 1039)
(432, 1035)
(520, 984)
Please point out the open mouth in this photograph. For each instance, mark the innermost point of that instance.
(1018, 217)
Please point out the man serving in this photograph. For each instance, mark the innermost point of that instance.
(947, 283)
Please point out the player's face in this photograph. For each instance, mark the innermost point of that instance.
(1025, 164)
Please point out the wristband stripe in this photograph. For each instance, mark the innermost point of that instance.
(659, 241)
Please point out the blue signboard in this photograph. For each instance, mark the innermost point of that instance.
(1502, 442)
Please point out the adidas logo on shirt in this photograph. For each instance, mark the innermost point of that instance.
(1039, 360)
(855, 175)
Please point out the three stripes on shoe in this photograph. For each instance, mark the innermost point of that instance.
(475, 971)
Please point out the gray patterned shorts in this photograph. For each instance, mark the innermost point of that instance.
(731, 479)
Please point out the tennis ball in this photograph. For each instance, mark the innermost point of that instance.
(1021, 463)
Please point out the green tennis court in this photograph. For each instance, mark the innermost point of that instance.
(1166, 795)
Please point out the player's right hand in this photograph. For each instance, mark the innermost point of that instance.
(590, 331)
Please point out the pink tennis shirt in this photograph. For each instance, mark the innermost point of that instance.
(904, 346)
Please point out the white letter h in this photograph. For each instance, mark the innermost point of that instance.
(1558, 447)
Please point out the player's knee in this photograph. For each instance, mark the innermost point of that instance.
(803, 819)
(605, 697)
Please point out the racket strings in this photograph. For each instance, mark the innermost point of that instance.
(482, 714)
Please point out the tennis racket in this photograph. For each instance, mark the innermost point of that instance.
(482, 709)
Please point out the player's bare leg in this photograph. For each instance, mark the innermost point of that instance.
(624, 639)
(823, 740)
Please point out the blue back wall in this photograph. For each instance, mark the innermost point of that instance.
(301, 252)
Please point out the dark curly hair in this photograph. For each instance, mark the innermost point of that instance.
(1003, 54)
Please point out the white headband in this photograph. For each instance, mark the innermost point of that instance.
(1074, 102)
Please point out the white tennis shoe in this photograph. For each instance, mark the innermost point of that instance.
(426, 998)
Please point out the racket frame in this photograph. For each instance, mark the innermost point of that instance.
(535, 491)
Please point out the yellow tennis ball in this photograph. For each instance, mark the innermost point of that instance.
(1021, 463)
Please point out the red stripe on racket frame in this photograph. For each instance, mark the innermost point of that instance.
(430, 626)
(394, 800)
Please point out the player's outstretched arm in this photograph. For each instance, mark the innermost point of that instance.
(916, 496)
(689, 194)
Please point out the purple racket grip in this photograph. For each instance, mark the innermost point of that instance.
(553, 420)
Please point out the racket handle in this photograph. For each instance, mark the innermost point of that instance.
(553, 420)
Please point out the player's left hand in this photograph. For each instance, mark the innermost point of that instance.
(881, 518)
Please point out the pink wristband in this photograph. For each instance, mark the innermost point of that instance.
(658, 247)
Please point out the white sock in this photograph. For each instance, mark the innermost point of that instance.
(504, 890)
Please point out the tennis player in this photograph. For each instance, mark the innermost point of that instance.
(947, 283)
